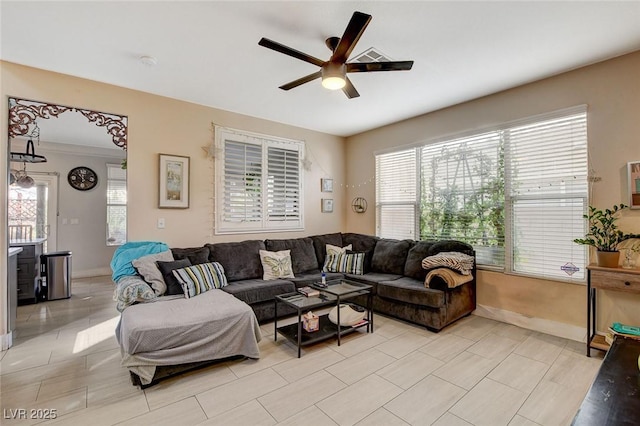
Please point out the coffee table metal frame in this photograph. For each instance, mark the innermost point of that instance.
(336, 292)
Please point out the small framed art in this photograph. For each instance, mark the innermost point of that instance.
(174, 182)
(326, 184)
(327, 205)
(633, 171)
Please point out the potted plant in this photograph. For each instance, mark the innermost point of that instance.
(604, 234)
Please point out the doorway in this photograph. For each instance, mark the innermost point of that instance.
(37, 207)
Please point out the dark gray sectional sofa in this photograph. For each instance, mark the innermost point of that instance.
(392, 267)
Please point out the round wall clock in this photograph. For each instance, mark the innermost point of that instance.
(82, 178)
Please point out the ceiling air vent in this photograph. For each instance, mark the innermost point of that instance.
(371, 55)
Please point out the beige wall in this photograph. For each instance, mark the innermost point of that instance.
(611, 90)
(162, 125)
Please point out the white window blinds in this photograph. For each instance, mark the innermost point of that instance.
(396, 194)
(116, 205)
(547, 165)
(258, 181)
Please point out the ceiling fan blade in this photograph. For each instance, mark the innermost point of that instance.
(379, 66)
(301, 81)
(350, 90)
(352, 34)
(274, 45)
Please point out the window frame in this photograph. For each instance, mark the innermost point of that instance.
(509, 230)
(264, 221)
(108, 205)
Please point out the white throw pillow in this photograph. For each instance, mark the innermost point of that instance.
(276, 264)
(149, 271)
(331, 249)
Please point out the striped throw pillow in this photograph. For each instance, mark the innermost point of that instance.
(197, 279)
(347, 263)
(460, 262)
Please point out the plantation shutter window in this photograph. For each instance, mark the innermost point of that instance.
(258, 182)
(116, 205)
(547, 163)
(396, 194)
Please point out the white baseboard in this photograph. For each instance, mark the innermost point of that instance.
(6, 340)
(88, 273)
(555, 328)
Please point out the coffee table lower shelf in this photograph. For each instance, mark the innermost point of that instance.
(326, 331)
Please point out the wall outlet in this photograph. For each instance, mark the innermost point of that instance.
(161, 223)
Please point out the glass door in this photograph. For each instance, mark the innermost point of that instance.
(35, 208)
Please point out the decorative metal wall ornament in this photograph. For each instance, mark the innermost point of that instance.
(359, 205)
(23, 113)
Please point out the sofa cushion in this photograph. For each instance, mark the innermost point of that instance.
(195, 255)
(276, 264)
(412, 291)
(320, 243)
(241, 260)
(166, 268)
(303, 255)
(390, 256)
(372, 279)
(256, 291)
(413, 265)
(450, 245)
(350, 263)
(200, 278)
(311, 277)
(364, 243)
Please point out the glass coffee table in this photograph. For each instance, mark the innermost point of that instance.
(335, 292)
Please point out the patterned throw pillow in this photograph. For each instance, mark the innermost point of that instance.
(331, 249)
(347, 263)
(460, 262)
(276, 264)
(199, 278)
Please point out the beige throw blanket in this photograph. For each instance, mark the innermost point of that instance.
(452, 278)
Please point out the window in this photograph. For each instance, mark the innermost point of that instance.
(516, 193)
(116, 205)
(259, 182)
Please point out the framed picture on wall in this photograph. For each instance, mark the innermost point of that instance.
(327, 205)
(326, 184)
(633, 170)
(174, 182)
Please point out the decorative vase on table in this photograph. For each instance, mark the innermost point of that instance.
(608, 259)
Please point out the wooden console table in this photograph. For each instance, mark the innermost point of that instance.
(614, 396)
(616, 279)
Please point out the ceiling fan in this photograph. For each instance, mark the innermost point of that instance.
(334, 71)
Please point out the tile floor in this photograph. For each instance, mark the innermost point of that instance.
(475, 372)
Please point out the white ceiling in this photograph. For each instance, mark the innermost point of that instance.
(208, 51)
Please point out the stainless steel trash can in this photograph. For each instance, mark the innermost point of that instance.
(56, 275)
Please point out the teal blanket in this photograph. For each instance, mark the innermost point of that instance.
(126, 253)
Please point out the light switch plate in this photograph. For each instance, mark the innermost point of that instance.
(161, 223)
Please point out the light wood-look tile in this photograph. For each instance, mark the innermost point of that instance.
(382, 417)
(474, 328)
(358, 367)
(446, 347)
(185, 412)
(466, 370)
(519, 372)
(403, 345)
(250, 413)
(449, 419)
(295, 397)
(355, 343)
(357, 401)
(409, 370)
(425, 402)
(543, 348)
(494, 347)
(489, 404)
(295, 369)
(309, 416)
(552, 404)
(518, 420)
(231, 395)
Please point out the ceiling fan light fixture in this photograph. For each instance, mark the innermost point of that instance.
(333, 76)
